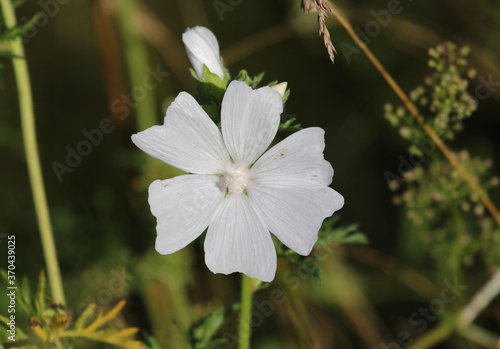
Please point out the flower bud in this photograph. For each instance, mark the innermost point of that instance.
(203, 49)
(281, 88)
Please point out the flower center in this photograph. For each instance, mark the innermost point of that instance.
(237, 179)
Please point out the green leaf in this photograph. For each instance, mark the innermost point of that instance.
(151, 343)
(288, 126)
(213, 111)
(13, 33)
(215, 343)
(208, 326)
(257, 79)
(227, 76)
(285, 96)
(330, 234)
(40, 295)
(86, 315)
(203, 330)
(24, 299)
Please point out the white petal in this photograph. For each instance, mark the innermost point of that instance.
(203, 49)
(188, 140)
(294, 209)
(238, 241)
(300, 155)
(183, 207)
(249, 120)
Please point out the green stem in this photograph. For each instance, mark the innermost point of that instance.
(433, 337)
(32, 157)
(136, 59)
(246, 311)
(457, 249)
(462, 322)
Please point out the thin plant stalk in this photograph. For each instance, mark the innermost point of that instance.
(136, 59)
(32, 156)
(468, 178)
(465, 318)
(492, 288)
(246, 312)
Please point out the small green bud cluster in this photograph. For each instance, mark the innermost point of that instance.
(451, 220)
(443, 99)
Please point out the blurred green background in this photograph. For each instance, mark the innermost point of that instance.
(101, 218)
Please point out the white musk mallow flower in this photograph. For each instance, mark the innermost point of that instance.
(241, 193)
(203, 49)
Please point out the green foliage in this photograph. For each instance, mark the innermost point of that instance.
(252, 82)
(453, 224)
(452, 220)
(51, 325)
(289, 126)
(9, 34)
(211, 87)
(213, 111)
(151, 343)
(202, 332)
(211, 91)
(443, 99)
(330, 233)
(243, 76)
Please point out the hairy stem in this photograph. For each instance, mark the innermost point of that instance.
(32, 157)
(468, 178)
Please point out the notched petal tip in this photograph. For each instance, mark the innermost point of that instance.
(264, 276)
(249, 120)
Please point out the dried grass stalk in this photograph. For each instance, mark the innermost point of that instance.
(321, 6)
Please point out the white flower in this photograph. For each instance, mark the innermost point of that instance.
(203, 49)
(240, 195)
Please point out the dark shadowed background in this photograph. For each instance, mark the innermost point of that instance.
(102, 224)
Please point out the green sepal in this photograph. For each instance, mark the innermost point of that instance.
(213, 111)
(227, 76)
(257, 79)
(211, 87)
(289, 126)
(285, 96)
(243, 76)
